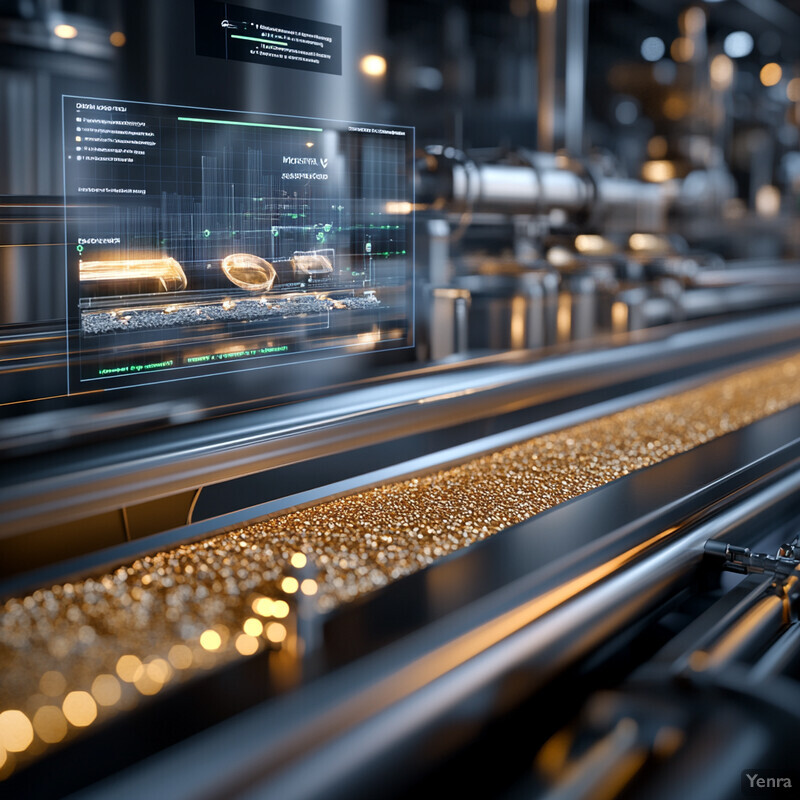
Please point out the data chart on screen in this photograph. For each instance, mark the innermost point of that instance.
(205, 240)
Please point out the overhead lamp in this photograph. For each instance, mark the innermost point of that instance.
(373, 65)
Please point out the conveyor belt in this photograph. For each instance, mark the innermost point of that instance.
(440, 405)
(77, 653)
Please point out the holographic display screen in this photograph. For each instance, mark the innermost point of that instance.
(204, 240)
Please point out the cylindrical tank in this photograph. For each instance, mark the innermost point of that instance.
(160, 63)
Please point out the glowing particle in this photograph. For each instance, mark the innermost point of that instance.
(158, 670)
(771, 74)
(80, 709)
(106, 690)
(52, 683)
(246, 645)
(275, 632)
(210, 640)
(280, 609)
(180, 656)
(262, 606)
(16, 731)
(298, 560)
(253, 627)
(50, 724)
(129, 668)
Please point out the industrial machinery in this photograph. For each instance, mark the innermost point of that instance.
(338, 452)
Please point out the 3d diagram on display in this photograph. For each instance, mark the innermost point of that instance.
(249, 272)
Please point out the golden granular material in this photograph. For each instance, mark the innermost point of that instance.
(90, 648)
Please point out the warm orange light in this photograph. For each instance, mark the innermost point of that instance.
(308, 587)
(546, 6)
(118, 39)
(399, 207)
(648, 242)
(165, 273)
(721, 72)
(246, 645)
(16, 731)
(280, 609)
(619, 317)
(253, 626)
(675, 107)
(692, 21)
(290, 585)
(152, 676)
(658, 171)
(52, 683)
(592, 243)
(559, 256)
(771, 74)
(298, 560)
(373, 65)
(263, 606)
(128, 668)
(65, 31)
(146, 685)
(159, 670)
(564, 317)
(106, 690)
(80, 709)
(275, 632)
(682, 49)
(210, 640)
(768, 201)
(49, 724)
(553, 756)
(180, 656)
(657, 147)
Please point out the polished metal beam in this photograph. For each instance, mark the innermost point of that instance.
(48, 491)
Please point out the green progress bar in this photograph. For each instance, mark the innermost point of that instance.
(248, 124)
(256, 39)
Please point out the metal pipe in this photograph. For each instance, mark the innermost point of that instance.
(540, 188)
(780, 656)
(758, 625)
(575, 79)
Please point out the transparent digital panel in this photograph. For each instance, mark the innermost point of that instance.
(205, 240)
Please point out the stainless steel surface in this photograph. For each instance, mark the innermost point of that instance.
(538, 274)
(290, 434)
(372, 719)
(577, 22)
(109, 558)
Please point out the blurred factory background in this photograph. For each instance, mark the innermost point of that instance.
(568, 505)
